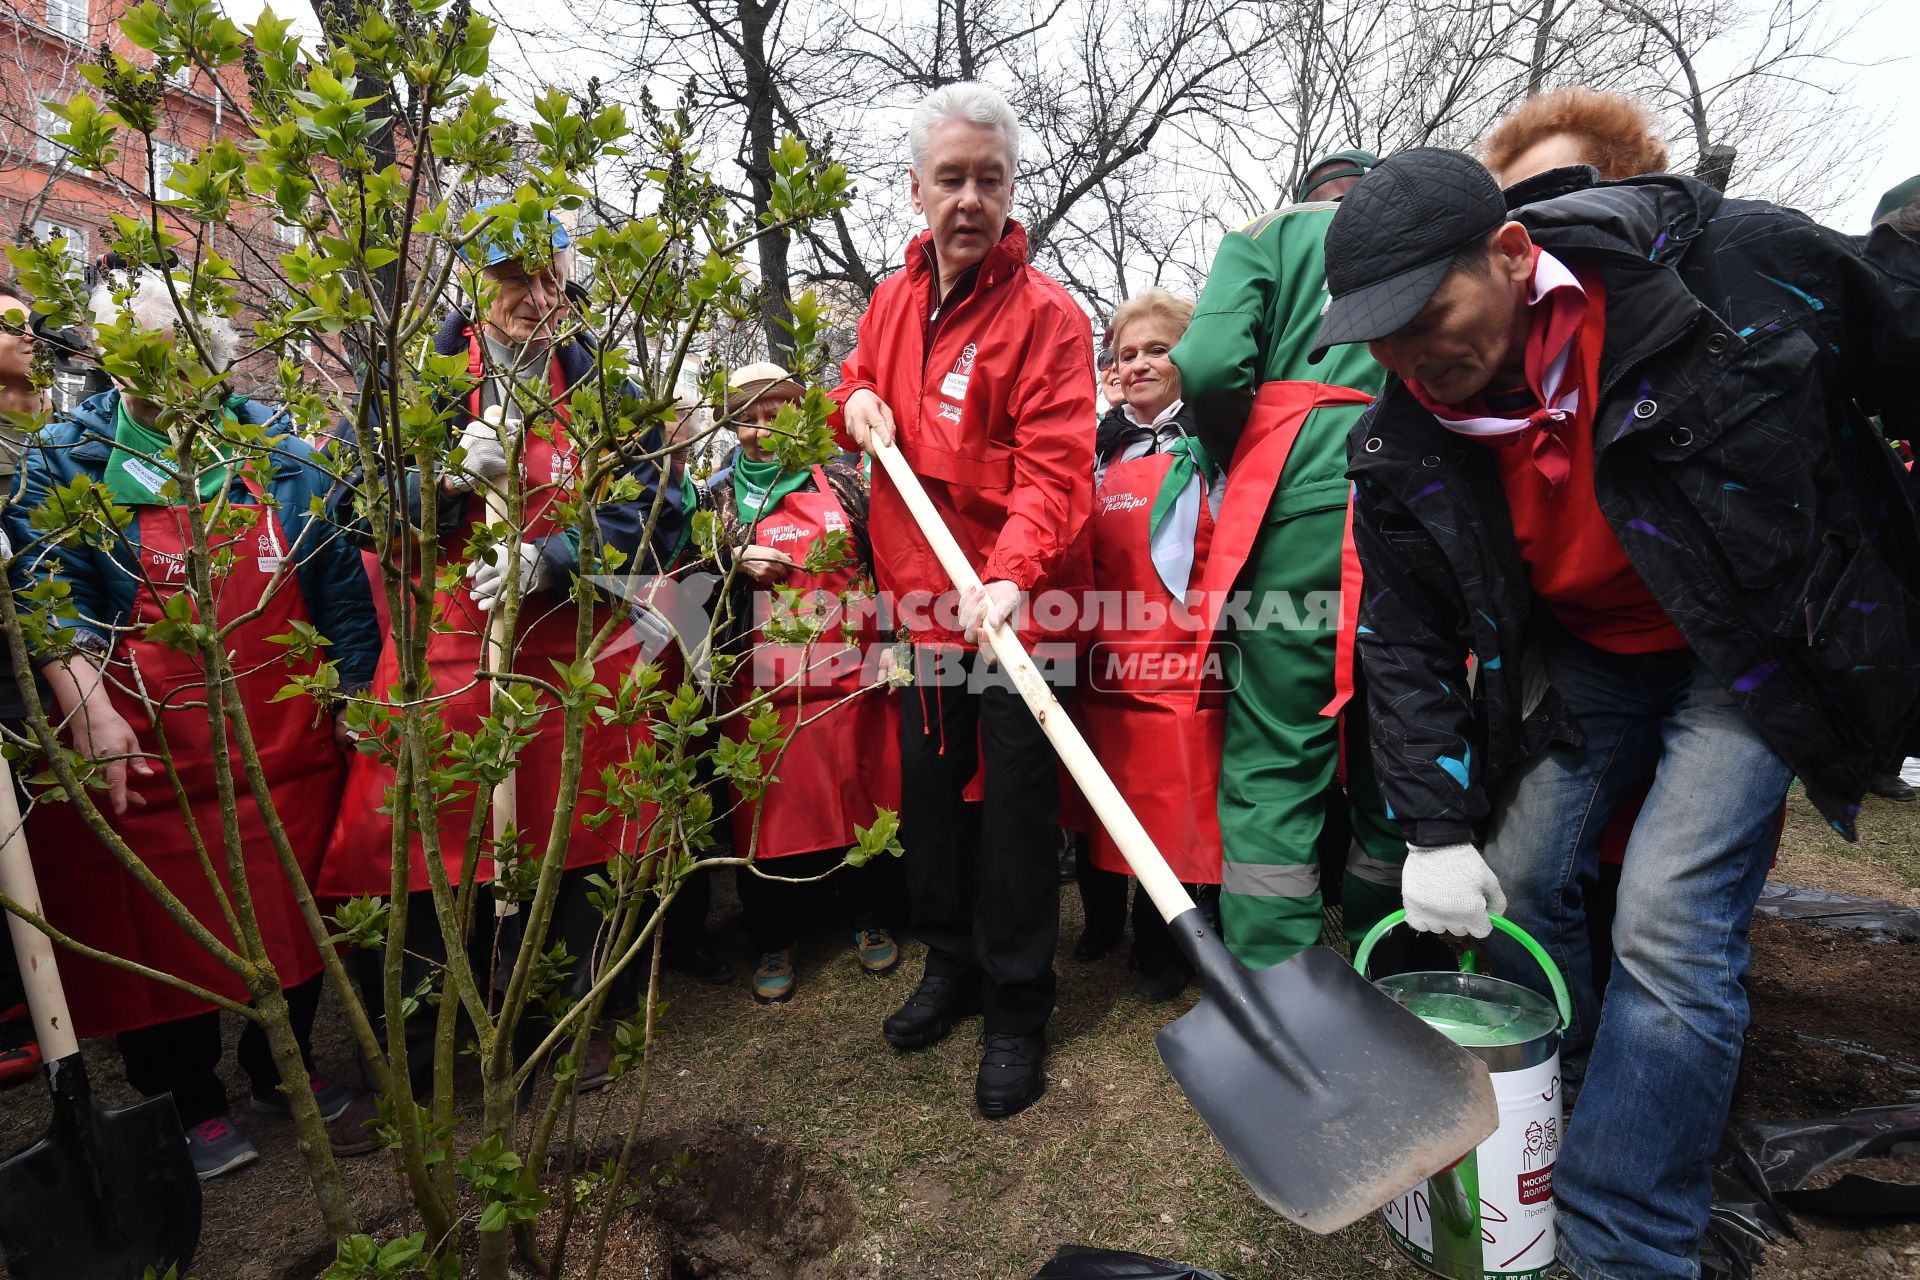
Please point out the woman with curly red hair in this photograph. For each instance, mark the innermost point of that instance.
(1610, 131)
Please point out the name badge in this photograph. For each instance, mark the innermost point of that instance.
(147, 474)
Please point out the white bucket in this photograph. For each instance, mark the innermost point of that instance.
(1490, 1217)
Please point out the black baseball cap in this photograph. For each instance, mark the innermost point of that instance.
(1395, 237)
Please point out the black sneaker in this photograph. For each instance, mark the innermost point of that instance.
(1093, 944)
(700, 961)
(1888, 786)
(930, 1012)
(1012, 1074)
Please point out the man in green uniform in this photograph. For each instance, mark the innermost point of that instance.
(1277, 549)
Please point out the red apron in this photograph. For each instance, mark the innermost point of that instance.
(841, 766)
(1137, 706)
(357, 859)
(89, 895)
(1280, 410)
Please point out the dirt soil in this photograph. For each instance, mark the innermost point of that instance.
(814, 1152)
(1836, 1022)
(1836, 1025)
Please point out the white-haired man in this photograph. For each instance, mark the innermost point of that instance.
(981, 368)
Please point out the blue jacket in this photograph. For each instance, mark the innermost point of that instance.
(331, 576)
(621, 524)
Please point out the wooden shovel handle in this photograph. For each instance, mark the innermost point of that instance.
(1169, 896)
(39, 974)
(506, 793)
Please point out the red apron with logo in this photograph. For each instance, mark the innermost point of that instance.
(842, 764)
(88, 894)
(358, 859)
(1146, 707)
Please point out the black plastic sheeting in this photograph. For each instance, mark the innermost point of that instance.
(1886, 921)
(1759, 1175)
(1762, 1171)
(1078, 1262)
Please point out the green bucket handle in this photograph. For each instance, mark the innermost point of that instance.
(1560, 998)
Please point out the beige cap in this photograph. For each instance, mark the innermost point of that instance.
(751, 381)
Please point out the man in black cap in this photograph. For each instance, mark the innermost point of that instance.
(1622, 461)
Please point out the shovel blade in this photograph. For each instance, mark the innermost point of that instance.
(103, 1196)
(1328, 1097)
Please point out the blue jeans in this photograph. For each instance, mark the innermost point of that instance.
(1656, 1063)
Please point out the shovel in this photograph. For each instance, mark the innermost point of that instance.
(1329, 1097)
(108, 1192)
(506, 793)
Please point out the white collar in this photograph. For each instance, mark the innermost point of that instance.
(1159, 419)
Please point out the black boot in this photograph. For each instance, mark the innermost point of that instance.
(930, 1012)
(1157, 986)
(700, 960)
(1012, 1074)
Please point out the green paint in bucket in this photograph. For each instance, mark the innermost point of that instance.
(1490, 1217)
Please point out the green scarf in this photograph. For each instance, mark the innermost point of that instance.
(1190, 462)
(689, 503)
(759, 486)
(1175, 517)
(134, 480)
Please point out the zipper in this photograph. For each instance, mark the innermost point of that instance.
(941, 315)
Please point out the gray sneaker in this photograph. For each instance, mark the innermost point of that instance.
(218, 1147)
(332, 1099)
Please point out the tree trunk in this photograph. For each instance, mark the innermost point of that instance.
(761, 136)
(1542, 35)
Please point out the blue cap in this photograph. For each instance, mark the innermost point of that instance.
(498, 253)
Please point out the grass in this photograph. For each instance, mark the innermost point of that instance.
(1111, 1156)
(1883, 863)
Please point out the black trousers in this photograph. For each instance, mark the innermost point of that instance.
(183, 1057)
(576, 923)
(1103, 896)
(425, 956)
(983, 878)
(774, 912)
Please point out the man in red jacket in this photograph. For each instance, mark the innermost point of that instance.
(981, 368)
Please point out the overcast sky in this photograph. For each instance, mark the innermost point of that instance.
(1890, 32)
(1884, 50)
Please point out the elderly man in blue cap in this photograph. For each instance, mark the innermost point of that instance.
(526, 360)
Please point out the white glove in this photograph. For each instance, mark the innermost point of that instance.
(485, 445)
(1449, 888)
(489, 578)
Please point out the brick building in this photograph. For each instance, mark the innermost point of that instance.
(43, 44)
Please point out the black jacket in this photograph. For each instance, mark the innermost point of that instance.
(1745, 347)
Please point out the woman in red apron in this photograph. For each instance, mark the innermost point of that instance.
(1148, 709)
(829, 777)
(357, 860)
(120, 691)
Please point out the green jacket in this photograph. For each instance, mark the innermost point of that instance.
(1255, 323)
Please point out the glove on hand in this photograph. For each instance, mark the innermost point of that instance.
(1449, 888)
(485, 445)
(489, 577)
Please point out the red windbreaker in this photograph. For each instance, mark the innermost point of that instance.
(994, 404)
